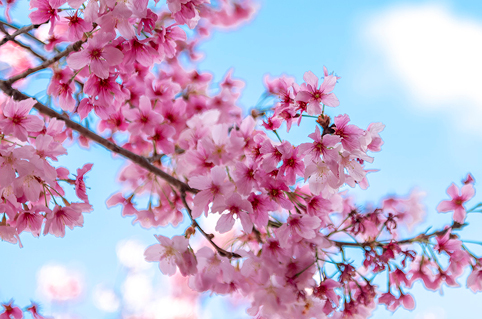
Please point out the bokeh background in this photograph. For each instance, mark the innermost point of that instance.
(416, 66)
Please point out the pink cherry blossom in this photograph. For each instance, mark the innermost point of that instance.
(80, 189)
(60, 217)
(10, 311)
(310, 93)
(474, 281)
(212, 187)
(34, 311)
(144, 119)
(172, 253)
(457, 202)
(46, 11)
(16, 121)
(98, 55)
(237, 207)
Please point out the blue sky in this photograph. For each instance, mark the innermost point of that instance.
(413, 65)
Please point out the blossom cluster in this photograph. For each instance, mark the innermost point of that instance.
(195, 154)
(29, 184)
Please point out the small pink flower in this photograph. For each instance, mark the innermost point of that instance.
(310, 93)
(80, 189)
(322, 146)
(98, 55)
(77, 27)
(235, 207)
(11, 311)
(61, 217)
(171, 253)
(46, 10)
(212, 188)
(350, 134)
(16, 121)
(397, 277)
(31, 220)
(34, 309)
(474, 281)
(444, 243)
(144, 119)
(457, 202)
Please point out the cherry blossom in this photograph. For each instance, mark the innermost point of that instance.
(126, 75)
(458, 199)
(17, 121)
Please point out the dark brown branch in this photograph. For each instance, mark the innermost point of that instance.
(11, 37)
(419, 238)
(137, 159)
(28, 34)
(73, 47)
(209, 237)
(20, 44)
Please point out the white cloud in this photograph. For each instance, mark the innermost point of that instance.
(131, 254)
(436, 55)
(56, 282)
(436, 313)
(137, 291)
(105, 299)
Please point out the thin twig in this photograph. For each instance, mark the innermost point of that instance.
(419, 238)
(209, 237)
(26, 47)
(73, 47)
(10, 37)
(28, 34)
(137, 159)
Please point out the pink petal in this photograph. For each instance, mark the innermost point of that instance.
(467, 192)
(453, 191)
(459, 215)
(112, 55)
(311, 79)
(78, 60)
(100, 68)
(225, 223)
(446, 206)
(330, 100)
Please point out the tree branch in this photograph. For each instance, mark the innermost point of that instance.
(11, 37)
(143, 162)
(419, 238)
(26, 47)
(209, 237)
(73, 47)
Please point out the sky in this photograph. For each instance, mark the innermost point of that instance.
(413, 65)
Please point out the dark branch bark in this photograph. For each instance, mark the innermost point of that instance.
(10, 37)
(143, 162)
(73, 47)
(209, 237)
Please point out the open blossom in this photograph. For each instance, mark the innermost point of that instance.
(310, 93)
(144, 119)
(457, 203)
(212, 188)
(69, 216)
(77, 26)
(34, 311)
(234, 206)
(46, 11)
(98, 54)
(445, 243)
(171, 253)
(11, 312)
(186, 11)
(31, 220)
(17, 121)
(80, 189)
(474, 281)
